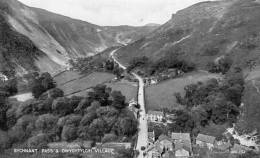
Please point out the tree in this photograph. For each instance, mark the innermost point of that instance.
(109, 138)
(3, 109)
(118, 100)
(37, 89)
(83, 104)
(99, 94)
(97, 129)
(61, 106)
(93, 107)
(56, 93)
(42, 84)
(87, 119)
(10, 86)
(69, 133)
(43, 106)
(39, 141)
(125, 126)
(46, 123)
(22, 129)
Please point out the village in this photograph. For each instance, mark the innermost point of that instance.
(184, 145)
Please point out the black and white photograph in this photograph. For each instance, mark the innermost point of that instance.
(129, 78)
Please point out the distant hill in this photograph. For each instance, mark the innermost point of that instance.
(53, 38)
(205, 32)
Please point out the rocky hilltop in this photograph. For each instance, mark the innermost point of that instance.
(35, 39)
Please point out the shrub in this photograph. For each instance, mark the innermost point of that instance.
(69, 133)
(39, 142)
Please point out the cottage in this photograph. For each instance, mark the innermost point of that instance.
(165, 143)
(182, 150)
(223, 146)
(239, 149)
(133, 107)
(155, 116)
(151, 137)
(182, 142)
(168, 154)
(205, 141)
(153, 151)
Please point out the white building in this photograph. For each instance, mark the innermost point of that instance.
(155, 116)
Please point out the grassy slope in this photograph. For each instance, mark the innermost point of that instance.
(128, 89)
(162, 95)
(215, 29)
(250, 117)
(73, 85)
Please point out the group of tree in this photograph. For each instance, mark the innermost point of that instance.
(169, 61)
(90, 64)
(42, 83)
(221, 66)
(99, 116)
(208, 102)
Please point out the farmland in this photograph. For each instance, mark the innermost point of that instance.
(162, 95)
(128, 89)
(72, 83)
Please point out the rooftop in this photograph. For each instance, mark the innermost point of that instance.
(206, 138)
(155, 113)
(181, 136)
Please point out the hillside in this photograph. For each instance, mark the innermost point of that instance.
(57, 38)
(203, 33)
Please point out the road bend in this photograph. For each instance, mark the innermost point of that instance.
(143, 127)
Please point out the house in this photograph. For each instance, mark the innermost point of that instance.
(182, 149)
(239, 149)
(205, 141)
(223, 146)
(151, 137)
(153, 151)
(3, 77)
(155, 116)
(182, 143)
(168, 154)
(132, 107)
(165, 143)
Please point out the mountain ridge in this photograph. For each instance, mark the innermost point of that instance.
(60, 38)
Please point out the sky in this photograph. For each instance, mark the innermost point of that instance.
(114, 12)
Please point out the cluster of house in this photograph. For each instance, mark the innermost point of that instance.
(179, 145)
(167, 74)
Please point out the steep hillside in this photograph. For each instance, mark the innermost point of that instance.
(57, 38)
(205, 32)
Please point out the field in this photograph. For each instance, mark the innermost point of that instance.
(162, 95)
(73, 83)
(128, 89)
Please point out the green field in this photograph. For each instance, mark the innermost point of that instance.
(66, 76)
(128, 89)
(162, 95)
(72, 83)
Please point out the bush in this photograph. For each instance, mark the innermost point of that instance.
(109, 138)
(69, 133)
(38, 142)
(61, 106)
(5, 141)
(56, 93)
(46, 123)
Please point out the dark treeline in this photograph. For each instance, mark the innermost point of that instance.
(210, 102)
(100, 116)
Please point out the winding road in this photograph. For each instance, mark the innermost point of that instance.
(143, 127)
